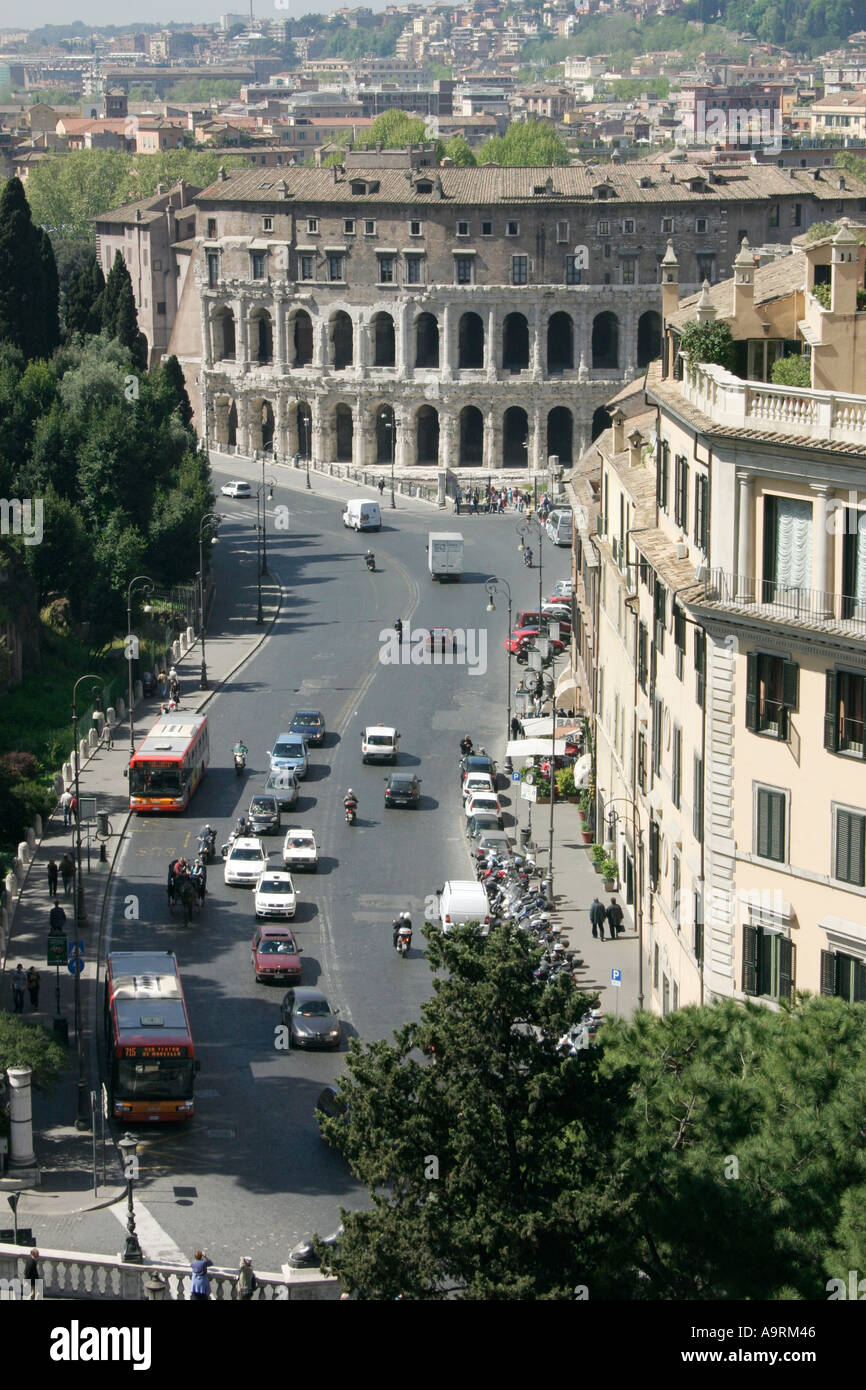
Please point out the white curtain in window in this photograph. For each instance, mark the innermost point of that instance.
(860, 566)
(793, 543)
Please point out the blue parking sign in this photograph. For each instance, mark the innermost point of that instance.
(616, 978)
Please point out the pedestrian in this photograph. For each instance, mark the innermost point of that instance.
(474, 507)
(33, 986)
(597, 916)
(381, 486)
(67, 872)
(456, 506)
(174, 688)
(200, 1287)
(398, 628)
(247, 1281)
(162, 683)
(515, 727)
(32, 1275)
(66, 806)
(536, 705)
(614, 918)
(74, 809)
(510, 495)
(19, 984)
(56, 917)
(52, 878)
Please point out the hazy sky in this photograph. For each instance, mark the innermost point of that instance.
(30, 14)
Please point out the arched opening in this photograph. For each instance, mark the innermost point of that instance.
(470, 341)
(560, 343)
(560, 434)
(223, 335)
(515, 437)
(515, 343)
(649, 337)
(304, 422)
(386, 442)
(341, 341)
(302, 339)
(605, 340)
(233, 426)
(471, 436)
(261, 337)
(383, 340)
(267, 427)
(600, 422)
(426, 341)
(427, 434)
(343, 431)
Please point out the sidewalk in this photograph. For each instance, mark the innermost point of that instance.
(64, 1153)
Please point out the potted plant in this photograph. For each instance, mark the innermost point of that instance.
(610, 873)
(583, 802)
(598, 857)
(565, 788)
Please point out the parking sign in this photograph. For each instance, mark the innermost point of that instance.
(616, 978)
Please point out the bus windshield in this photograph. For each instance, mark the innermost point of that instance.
(154, 779)
(154, 1078)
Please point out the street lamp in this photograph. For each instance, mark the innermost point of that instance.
(80, 909)
(147, 589)
(306, 422)
(494, 586)
(132, 1253)
(209, 519)
(390, 424)
(521, 702)
(525, 529)
(260, 517)
(637, 833)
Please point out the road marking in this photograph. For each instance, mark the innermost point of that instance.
(157, 1244)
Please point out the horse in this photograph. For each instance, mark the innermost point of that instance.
(188, 895)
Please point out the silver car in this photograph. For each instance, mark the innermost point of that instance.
(283, 784)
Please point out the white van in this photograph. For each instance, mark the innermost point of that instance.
(463, 900)
(560, 526)
(379, 744)
(362, 515)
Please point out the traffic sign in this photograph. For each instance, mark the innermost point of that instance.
(515, 776)
(58, 948)
(528, 791)
(616, 978)
(76, 964)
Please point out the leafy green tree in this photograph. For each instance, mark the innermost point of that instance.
(84, 300)
(60, 565)
(29, 1045)
(821, 229)
(456, 149)
(529, 144)
(792, 370)
(709, 342)
(396, 130)
(67, 191)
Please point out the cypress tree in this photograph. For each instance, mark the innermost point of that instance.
(21, 273)
(173, 378)
(119, 317)
(84, 300)
(50, 286)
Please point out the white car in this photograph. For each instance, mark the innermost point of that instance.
(300, 850)
(483, 804)
(275, 894)
(236, 488)
(564, 587)
(477, 782)
(245, 863)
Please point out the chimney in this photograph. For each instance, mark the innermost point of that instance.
(845, 272)
(706, 310)
(670, 282)
(618, 419)
(635, 444)
(744, 280)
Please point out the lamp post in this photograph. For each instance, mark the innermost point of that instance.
(637, 833)
(80, 909)
(521, 702)
(525, 529)
(306, 422)
(147, 589)
(390, 424)
(209, 519)
(494, 586)
(260, 515)
(264, 528)
(132, 1253)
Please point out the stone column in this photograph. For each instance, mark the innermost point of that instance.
(22, 1158)
(491, 347)
(207, 335)
(746, 578)
(320, 345)
(404, 357)
(821, 580)
(281, 441)
(279, 334)
(221, 407)
(362, 345)
(535, 345)
(358, 434)
(535, 437)
(318, 442)
(446, 438)
(242, 351)
(628, 346)
(255, 423)
(491, 455)
(446, 354)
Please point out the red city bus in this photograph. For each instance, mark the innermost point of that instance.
(148, 1045)
(167, 767)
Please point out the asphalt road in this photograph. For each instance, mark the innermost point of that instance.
(254, 1136)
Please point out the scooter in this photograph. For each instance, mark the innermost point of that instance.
(240, 761)
(351, 812)
(527, 558)
(403, 939)
(206, 845)
(370, 559)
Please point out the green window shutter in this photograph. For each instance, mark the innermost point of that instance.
(859, 982)
(770, 839)
(790, 684)
(750, 960)
(831, 722)
(787, 966)
(752, 692)
(828, 972)
(850, 847)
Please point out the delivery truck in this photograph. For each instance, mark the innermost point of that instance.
(445, 554)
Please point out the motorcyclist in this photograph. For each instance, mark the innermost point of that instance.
(241, 827)
(527, 557)
(398, 628)
(466, 746)
(350, 801)
(206, 838)
(172, 877)
(199, 876)
(402, 926)
(370, 559)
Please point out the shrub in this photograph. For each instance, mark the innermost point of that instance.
(16, 767)
(609, 869)
(709, 342)
(792, 370)
(822, 294)
(565, 781)
(598, 854)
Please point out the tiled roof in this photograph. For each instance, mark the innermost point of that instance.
(152, 209)
(658, 548)
(776, 280)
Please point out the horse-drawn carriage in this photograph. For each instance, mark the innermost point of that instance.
(186, 888)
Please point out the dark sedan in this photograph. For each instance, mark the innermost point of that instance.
(475, 762)
(403, 789)
(310, 724)
(479, 824)
(310, 1019)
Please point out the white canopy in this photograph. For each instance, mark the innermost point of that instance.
(521, 749)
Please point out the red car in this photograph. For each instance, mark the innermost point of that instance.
(275, 956)
(521, 638)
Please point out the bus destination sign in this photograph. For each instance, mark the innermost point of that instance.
(155, 1050)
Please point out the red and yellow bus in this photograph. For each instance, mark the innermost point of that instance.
(149, 1050)
(167, 767)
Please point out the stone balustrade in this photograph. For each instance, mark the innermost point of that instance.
(729, 400)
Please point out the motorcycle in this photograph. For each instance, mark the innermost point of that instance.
(370, 561)
(527, 558)
(404, 939)
(351, 812)
(240, 757)
(240, 830)
(206, 845)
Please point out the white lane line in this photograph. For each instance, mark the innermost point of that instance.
(156, 1243)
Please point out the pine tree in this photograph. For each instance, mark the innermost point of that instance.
(21, 273)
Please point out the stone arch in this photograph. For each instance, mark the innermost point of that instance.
(261, 337)
(515, 343)
(426, 341)
(384, 348)
(344, 431)
(385, 427)
(649, 337)
(301, 339)
(304, 429)
(605, 340)
(470, 341)
(560, 434)
(560, 343)
(223, 328)
(341, 340)
(600, 422)
(471, 449)
(515, 437)
(232, 438)
(427, 436)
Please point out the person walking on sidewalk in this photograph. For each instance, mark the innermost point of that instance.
(52, 872)
(56, 917)
(33, 986)
(67, 872)
(19, 983)
(614, 918)
(66, 807)
(381, 486)
(200, 1287)
(32, 1275)
(597, 916)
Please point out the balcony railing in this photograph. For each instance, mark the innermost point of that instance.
(738, 404)
(785, 603)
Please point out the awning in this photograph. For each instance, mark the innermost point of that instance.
(540, 727)
(582, 768)
(521, 749)
(566, 685)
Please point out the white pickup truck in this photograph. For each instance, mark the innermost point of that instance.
(445, 554)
